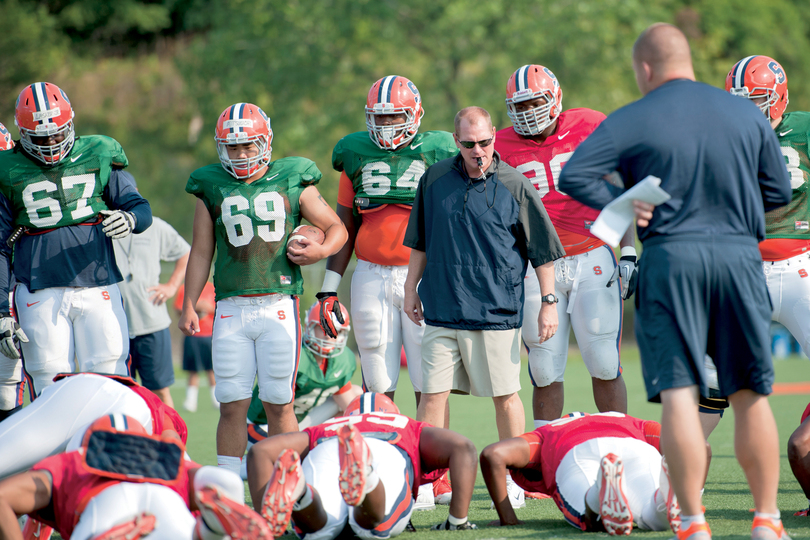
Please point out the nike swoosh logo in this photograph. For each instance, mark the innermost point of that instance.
(782, 134)
(563, 135)
(415, 146)
(273, 177)
(225, 316)
(337, 373)
(75, 158)
(32, 303)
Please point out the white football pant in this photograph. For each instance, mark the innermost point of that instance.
(585, 305)
(256, 335)
(321, 469)
(65, 408)
(381, 327)
(789, 287)
(72, 329)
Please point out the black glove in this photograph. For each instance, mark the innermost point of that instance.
(628, 270)
(330, 305)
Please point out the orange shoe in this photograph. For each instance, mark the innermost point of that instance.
(35, 530)
(765, 528)
(236, 520)
(442, 490)
(673, 508)
(355, 464)
(535, 495)
(613, 504)
(803, 513)
(696, 531)
(138, 527)
(285, 486)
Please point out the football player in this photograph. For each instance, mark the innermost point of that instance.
(602, 470)
(323, 387)
(106, 490)
(247, 208)
(64, 408)
(786, 262)
(372, 460)
(61, 204)
(380, 169)
(590, 284)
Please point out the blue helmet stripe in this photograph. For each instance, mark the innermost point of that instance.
(739, 77)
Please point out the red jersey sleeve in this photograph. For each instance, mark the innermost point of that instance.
(345, 191)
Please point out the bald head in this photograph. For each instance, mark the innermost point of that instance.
(474, 116)
(661, 53)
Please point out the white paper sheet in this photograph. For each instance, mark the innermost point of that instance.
(618, 214)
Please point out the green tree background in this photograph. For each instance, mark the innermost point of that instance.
(156, 74)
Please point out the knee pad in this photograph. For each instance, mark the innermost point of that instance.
(227, 482)
(546, 368)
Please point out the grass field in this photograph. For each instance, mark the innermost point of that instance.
(727, 498)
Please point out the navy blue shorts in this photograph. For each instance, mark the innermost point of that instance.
(152, 359)
(197, 353)
(701, 295)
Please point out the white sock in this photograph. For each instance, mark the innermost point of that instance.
(456, 521)
(304, 500)
(776, 517)
(191, 393)
(541, 423)
(686, 521)
(592, 498)
(372, 479)
(230, 463)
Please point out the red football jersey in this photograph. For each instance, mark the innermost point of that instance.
(542, 163)
(393, 428)
(161, 413)
(550, 443)
(74, 486)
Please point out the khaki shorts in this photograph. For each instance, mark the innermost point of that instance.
(483, 363)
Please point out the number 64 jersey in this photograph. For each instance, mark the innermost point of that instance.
(252, 223)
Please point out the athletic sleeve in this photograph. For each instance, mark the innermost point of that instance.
(583, 176)
(345, 191)
(337, 156)
(774, 179)
(121, 193)
(6, 227)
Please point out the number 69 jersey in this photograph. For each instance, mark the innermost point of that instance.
(395, 429)
(252, 223)
(388, 177)
(68, 193)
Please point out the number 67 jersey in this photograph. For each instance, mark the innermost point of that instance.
(68, 193)
(252, 223)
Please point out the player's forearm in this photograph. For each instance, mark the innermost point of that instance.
(197, 269)
(629, 238)
(340, 260)
(493, 469)
(9, 526)
(335, 237)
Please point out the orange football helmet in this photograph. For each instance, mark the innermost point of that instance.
(115, 423)
(244, 123)
(393, 95)
(760, 77)
(530, 82)
(319, 343)
(371, 402)
(6, 142)
(44, 110)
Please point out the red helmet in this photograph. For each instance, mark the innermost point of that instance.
(393, 95)
(325, 346)
(6, 142)
(371, 402)
(244, 123)
(115, 423)
(43, 110)
(531, 82)
(760, 77)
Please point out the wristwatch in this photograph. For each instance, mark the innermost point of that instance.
(549, 299)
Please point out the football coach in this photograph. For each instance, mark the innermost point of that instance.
(701, 288)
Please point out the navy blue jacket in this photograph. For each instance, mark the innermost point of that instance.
(716, 155)
(477, 236)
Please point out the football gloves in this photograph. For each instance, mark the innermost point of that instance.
(627, 269)
(330, 306)
(447, 526)
(10, 334)
(117, 223)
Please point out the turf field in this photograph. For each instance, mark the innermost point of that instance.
(727, 498)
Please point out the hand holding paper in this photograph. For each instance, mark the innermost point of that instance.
(618, 214)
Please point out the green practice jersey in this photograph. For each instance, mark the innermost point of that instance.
(793, 220)
(312, 386)
(252, 223)
(385, 176)
(69, 193)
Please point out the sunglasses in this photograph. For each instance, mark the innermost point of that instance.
(471, 144)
